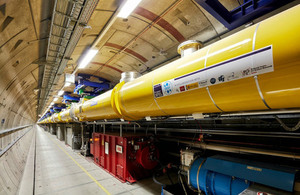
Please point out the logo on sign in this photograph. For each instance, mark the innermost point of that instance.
(231, 76)
(182, 88)
(246, 72)
(203, 83)
(213, 80)
(192, 86)
(221, 78)
(119, 149)
(157, 91)
(167, 87)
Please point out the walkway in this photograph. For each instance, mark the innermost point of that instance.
(59, 170)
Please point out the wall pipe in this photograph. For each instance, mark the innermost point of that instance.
(237, 149)
(224, 132)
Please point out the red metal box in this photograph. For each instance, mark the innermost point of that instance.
(128, 158)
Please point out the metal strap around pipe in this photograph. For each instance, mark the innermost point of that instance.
(256, 77)
(198, 186)
(155, 99)
(206, 57)
(207, 88)
(260, 93)
(254, 37)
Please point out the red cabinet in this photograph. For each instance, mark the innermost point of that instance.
(128, 158)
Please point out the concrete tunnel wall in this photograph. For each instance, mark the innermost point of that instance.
(12, 163)
(19, 77)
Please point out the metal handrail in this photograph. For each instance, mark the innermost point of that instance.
(15, 141)
(13, 129)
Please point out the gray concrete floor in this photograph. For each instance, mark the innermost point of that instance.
(59, 170)
(26, 185)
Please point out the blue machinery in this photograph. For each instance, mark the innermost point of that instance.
(223, 176)
(247, 11)
(56, 108)
(83, 82)
(71, 98)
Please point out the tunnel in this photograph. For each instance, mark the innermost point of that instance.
(177, 97)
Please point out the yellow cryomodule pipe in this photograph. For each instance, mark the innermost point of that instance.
(97, 108)
(65, 116)
(222, 76)
(255, 69)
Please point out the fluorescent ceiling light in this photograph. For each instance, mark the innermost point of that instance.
(67, 84)
(55, 99)
(128, 7)
(52, 103)
(60, 92)
(87, 58)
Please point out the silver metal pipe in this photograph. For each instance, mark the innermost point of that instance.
(13, 129)
(273, 112)
(109, 123)
(236, 115)
(238, 149)
(227, 132)
(82, 137)
(121, 130)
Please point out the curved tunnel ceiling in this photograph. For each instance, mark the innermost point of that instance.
(147, 38)
(22, 43)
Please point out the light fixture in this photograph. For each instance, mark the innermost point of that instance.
(67, 84)
(60, 92)
(55, 99)
(52, 103)
(87, 58)
(128, 7)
